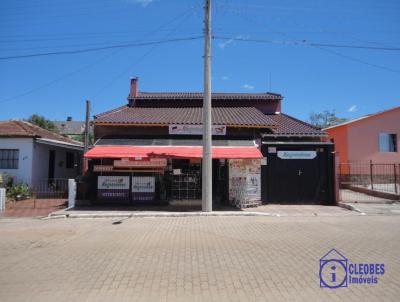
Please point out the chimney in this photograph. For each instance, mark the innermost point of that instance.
(69, 118)
(134, 87)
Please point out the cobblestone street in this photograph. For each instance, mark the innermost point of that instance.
(193, 258)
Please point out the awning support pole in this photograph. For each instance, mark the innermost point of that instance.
(207, 138)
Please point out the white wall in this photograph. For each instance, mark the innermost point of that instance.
(41, 163)
(25, 147)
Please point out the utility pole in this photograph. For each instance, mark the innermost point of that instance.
(87, 124)
(207, 134)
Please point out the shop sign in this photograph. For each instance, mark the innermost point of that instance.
(102, 168)
(143, 188)
(154, 162)
(297, 154)
(196, 129)
(113, 187)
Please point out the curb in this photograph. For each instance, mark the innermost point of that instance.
(350, 207)
(155, 215)
(389, 201)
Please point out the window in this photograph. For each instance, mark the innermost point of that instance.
(9, 158)
(387, 142)
(70, 160)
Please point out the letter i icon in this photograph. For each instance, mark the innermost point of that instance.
(333, 274)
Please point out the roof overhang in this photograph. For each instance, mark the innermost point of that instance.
(60, 144)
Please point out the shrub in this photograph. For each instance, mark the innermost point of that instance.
(6, 180)
(18, 192)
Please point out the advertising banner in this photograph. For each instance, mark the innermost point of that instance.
(143, 188)
(113, 187)
(244, 180)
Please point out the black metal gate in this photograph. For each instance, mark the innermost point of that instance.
(292, 179)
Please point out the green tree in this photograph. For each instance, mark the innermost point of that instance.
(326, 118)
(81, 138)
(42, 122)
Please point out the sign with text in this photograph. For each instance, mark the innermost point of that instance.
(152, 163)
(102, 168)
(297, 154)
(196, 129)
(143, 188)
(113, 187)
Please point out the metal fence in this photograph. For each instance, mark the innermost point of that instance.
(49, 194)
(369, 181)
(50, 188)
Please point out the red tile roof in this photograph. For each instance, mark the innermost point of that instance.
(287, 125)
(230, 116)
(24, 129)
(199, 95)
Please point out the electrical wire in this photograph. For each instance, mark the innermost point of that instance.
(58, 79)
(321, 48)
(78, 51)
(87, 66)
(125, 70)
(305, 43)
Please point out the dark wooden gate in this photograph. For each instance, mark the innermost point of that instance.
(297, 181)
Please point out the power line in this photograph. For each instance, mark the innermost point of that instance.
(323, 49)
(358, 60)
(305, 43)
(66, 37)
(102, 89)
(60, 78)
(315, 45)
(78, 51)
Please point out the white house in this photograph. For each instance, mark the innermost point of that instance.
(32, 154)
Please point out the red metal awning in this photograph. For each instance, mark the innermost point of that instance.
(172, 152)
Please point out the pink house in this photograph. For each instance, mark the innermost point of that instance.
(374, 137)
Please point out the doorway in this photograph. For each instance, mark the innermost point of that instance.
(52, 164)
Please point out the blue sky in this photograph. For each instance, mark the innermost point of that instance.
(352, 82)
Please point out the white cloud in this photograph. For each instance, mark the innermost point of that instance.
(222, 45)
(143, 3)
(225, 78)
(352, 108)
(248, 86)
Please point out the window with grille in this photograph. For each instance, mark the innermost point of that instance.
(9, 158)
